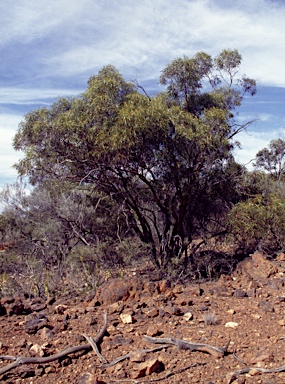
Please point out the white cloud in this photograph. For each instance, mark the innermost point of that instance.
(15, 95)
(26, 20)
(75, 37)
(251, 143)
(49, 47)
(150, 34)
(8, 157)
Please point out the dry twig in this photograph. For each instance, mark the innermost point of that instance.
(44, 360)
(183, 344)
(95, 348)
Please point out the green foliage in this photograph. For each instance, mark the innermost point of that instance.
(47, 224)
(272, 159)
(8, 285)
(185, 76)
(160, 167)
(259, 223)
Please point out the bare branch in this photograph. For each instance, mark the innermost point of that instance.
(242, 127)
(142, 88)
(95, 348)
(183, 344)
(44, 360)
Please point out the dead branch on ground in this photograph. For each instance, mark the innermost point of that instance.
(217, 352)
(233, 375)
(183, 344)
(21, 360)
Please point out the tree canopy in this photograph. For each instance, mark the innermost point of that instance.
(272, 159)
(166, 161)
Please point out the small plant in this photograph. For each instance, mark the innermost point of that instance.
(9, 285)
(210, 319)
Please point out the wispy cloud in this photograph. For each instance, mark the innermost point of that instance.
(14, 95)
(8, 156)
(50, 49)
(145, 36)
(74, 37)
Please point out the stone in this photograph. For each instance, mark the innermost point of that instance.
(178, 289)
(280, 257)
(230, 378)
(115, 307)
(39, 371)
(60, 309)
(112, 329)
(173, 310)
(183, 300)
(221, 291)
(88, 378)
(153, 312)
(16, 308)
(21, 343)
(193, 290)
(151, 287)
(256, 267)
(37, 322)
(231, 324)
(275, 284)
(188, 316)
(147, 368)
(120, 340)
(7, 300)
(239, 293)
(254, 372)
(265, 306)
(153, 330)
(45, 333)
(38, 307)
(251, 292)
(126, 318)
(163, 286)
(137, 356)
(263, 355)
(112, 291)
(37, 350)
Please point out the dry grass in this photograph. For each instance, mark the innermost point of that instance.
(210, 319)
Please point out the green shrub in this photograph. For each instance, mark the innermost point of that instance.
(259, 223)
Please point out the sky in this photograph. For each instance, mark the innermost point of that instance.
(50, 48)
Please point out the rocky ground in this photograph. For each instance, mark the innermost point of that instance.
(240, 318)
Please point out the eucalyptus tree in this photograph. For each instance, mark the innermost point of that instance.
(272, 159)
(167, 160)
(49, 223)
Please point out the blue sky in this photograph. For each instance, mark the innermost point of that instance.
(50, 48)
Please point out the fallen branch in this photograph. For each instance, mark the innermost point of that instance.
(183, 344)
(233, 375)
(95, 348)
(44, 360)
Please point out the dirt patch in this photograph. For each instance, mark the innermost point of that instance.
(245, 311)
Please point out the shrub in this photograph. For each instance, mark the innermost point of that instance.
(259, 223)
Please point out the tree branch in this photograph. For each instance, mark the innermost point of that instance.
(44, 360)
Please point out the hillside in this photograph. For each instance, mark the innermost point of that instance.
(239, 320)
